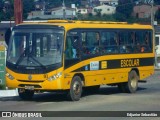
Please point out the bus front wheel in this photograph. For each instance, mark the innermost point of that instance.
(25, 94)
(75, 91)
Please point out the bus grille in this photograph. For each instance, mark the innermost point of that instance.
(24, 71)
(35, 86)
(31, 81)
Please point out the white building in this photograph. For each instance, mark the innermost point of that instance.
(60, 12)
(55, 13)
(104, 9)
(82, 11)
(109, 2)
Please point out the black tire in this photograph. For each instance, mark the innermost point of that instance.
(75, 91)
(132, 84)
(92, 89)
(25, 94)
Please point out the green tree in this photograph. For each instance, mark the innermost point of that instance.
(57, 3)
(6, 10)
(124, 10)
(53, 3)
(157, 16)
(98, 12)
(28, 6)
(1, 10)
(157, 2)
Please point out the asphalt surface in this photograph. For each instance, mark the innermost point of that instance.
(147, 98)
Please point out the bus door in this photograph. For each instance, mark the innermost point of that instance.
(72, 48)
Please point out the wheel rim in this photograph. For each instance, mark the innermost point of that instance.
(76, 88)
(133, 82)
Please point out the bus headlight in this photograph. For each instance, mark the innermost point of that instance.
(10, 76)
(55, 76)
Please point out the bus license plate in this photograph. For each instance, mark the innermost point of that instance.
(29, 87)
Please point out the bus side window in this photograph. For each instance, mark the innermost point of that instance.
(147, 43)
(143, 41)
(85, 50)
(90, 42)
(130, 41)
(137, 45)
(109, 42)
(123, 41)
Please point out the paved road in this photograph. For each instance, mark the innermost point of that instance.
(147, 98)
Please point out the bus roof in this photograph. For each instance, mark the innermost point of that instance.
(72, 24)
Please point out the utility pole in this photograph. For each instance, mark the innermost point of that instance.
(18, 11)
(152, 12)
(64, 10)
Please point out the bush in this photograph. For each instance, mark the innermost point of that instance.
(2, 87)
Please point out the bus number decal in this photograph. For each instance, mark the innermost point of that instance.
(130, 63)
(94, 65)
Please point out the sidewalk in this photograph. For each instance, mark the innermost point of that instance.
(8, 93)
(157, 68)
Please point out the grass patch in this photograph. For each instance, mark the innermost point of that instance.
(2, 87)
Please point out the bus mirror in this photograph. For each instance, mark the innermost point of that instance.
(7, 35)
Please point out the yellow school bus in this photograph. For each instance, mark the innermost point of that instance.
(71, 56)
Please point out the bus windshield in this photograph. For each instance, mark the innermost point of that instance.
(40, 47)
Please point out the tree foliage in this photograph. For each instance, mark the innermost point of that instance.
(57, 3)
(124, 10)
(157, 2)
(28, 6)
(6, 10)
(157, 16)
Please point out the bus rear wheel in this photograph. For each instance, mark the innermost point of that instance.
(75, 91)
(25, 94)
(132, 84)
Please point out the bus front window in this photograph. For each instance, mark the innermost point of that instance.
(35, 48)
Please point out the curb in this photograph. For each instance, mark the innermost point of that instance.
(8, 93)
(157, 68)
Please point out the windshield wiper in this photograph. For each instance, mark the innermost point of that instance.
(21, 56)
(41, 65)
(29, 55)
